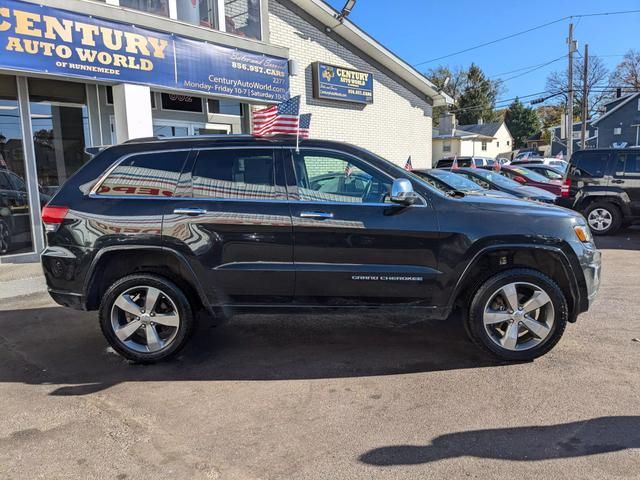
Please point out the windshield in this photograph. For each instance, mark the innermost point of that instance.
(496, 178)
(530, 174)
(457, 182)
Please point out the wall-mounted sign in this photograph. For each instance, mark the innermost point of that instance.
(48, 40)
(342, 84)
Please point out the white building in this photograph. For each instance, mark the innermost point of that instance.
(81, 73)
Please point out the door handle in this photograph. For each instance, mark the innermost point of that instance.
(317, 215)
(617, 181)
(193, 212)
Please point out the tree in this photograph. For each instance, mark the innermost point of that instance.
(478, 98)
(522, 122)
(550, 116)
(454, 87)
(627, 72)
(558, 84)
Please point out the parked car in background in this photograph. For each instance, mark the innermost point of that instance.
(148, 233)
(551, 162)
(530, 178)
(551, 173)
(494, 181)
(452, 184)
(604, 184)
(465, 162)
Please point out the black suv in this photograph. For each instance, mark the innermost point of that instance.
(604, 184)
(150, 232)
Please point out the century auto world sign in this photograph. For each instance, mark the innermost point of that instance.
(48, 40)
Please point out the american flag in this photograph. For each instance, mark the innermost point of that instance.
(281, 118)
(408, 166)
(497, 166)
(560, 156)
(454, 164)
(473, 163)
(305, 124)
(348, 170)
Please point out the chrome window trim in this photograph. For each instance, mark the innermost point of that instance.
(93, 193)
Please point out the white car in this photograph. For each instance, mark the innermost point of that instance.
(551, 162)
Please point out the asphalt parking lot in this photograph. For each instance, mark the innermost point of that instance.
(304, 397)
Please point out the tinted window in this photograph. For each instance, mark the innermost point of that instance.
(496, 178)
(18, 183)
(234, 174)
(153, 174)
(589, 164)
(451, 180)
(479, 181)
(332, 177)
(536, 177)
(627, 165)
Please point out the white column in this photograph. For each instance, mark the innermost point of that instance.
(132, 111)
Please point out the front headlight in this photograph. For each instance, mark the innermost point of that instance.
(583, 233)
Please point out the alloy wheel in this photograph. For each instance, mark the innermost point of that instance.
(600, 219)
(145, 319)
(519, 316)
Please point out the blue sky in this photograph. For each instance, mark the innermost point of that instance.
(419, 30)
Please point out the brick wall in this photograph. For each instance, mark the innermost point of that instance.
(396, 125)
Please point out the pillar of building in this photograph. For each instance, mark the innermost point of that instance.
(132, 111)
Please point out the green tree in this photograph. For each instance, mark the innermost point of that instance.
(522, 122)
(453, 87)
(478, 98)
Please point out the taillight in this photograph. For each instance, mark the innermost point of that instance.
(52, 217)
(564, 189)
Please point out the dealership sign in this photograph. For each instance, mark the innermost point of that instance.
(48, 40)
(344, 84)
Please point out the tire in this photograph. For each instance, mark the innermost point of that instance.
(603, 218)
(5, 237)
(494, 329)
(130, 330)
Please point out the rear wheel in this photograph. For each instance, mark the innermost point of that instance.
(604, 218)
(518, 314)
(146, 318)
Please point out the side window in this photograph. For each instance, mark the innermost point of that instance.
(18, 182)
(627, 165)
(5, 184)
(234, 174)
(589, 165)
(332, 177)
(153, 174)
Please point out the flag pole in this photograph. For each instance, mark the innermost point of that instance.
(298, 134)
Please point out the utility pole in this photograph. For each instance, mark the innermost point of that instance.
(585, 98)
(570, 94)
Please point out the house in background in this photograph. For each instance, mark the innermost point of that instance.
(481, 140)
(538, 144)
(619, 125)
(559, 142)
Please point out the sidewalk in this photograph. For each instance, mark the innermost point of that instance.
(20, 279)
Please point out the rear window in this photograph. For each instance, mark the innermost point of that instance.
(589, 164)
(153, 174)
(536, 177)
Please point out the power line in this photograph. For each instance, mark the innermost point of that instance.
(533, 69)
(537, 27)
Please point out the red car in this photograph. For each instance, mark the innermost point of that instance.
(529, 178)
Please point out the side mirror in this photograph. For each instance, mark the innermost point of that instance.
(520, 179)
(402, 192)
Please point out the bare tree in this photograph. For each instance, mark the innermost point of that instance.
(627, 72)
(597, 83)
(457, 83)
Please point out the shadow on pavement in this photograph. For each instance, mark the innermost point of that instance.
(624, 239)
(63, 347)
(524, 444)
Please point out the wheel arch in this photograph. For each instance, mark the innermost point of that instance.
(111, 263)
(491, 260)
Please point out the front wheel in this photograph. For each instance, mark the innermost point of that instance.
(146, 318)
(518, 315)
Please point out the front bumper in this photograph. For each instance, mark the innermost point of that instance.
(591, 264)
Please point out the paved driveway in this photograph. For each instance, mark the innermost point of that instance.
(301, 397)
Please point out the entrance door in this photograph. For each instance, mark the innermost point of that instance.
(351, 246)
(60, 124)
(233, 223)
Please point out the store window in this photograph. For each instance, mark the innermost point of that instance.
(15, 219)
(198, 12)
(224, 107)
(60, 124)
(242, 17)
(155, 7)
